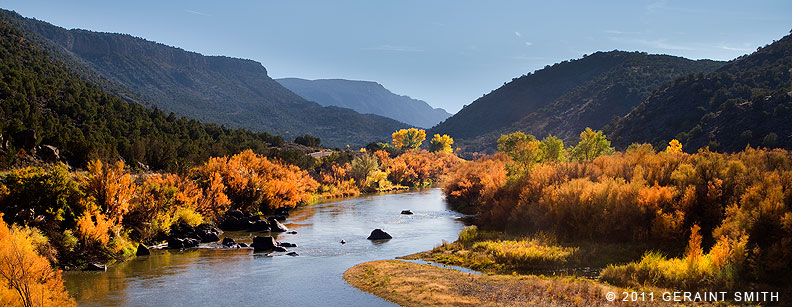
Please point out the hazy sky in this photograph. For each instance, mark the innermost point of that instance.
(445, 52)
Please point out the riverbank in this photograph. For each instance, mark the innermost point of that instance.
(411, 284)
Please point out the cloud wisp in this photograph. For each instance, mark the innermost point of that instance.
(198, 13)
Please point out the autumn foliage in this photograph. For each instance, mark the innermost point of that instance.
(408, 138)
(254, 182)
(26, 277)
(643, 196)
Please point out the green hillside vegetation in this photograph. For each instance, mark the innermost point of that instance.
(213, 89)
(746, 102)
(564, 98)
(86, 123)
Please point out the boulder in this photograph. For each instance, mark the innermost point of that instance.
(343, 241)
(276, 226)
(233, 224)
(228, 241)
(279, 249)
(292, 232)
(210, 237)
(260, 225)
(264, 244)
(407, 212)
(378, 234)
(287, 244)
(293, 254)
(142, 250)
(190, 243)
(95, 267)
(48, 153)
(175, 243)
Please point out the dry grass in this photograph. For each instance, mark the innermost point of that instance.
(411, 284)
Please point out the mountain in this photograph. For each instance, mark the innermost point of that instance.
(565, 98)
(44, 102)
(748, 101)
(368, 98)
(215, 89)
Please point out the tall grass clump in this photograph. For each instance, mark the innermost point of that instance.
(718, 270)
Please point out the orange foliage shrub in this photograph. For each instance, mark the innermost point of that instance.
(474, 182)
(253, 182)
(419, 168)
(27, 277)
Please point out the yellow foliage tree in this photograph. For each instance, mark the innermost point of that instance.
(28, 279)
(441, 143)
(408, 138)
(674, 147)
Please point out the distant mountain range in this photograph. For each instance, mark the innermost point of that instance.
(748, 101)
(214, 89)
(634, 97)
(565, 98)
(368, 98)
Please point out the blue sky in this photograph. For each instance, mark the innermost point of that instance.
(445, 52)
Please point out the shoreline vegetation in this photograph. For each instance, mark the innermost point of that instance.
(103, 214)
(637, 219)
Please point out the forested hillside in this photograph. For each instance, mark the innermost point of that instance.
(214, 89)
(746, 102)
(368, 98)
(85, 123)
(564, 98)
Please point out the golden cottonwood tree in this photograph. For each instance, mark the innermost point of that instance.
(674, 147)
(441, 143)
(27, 277)
(408, 138)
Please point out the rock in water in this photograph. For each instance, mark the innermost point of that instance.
(190, 242)
(408, 212)
(260, 225)
(378, 234)
(142, 250)
(264, 244)
(293, 254)
(276, 226)
(228, 241)
(95, 267)
(175, 243)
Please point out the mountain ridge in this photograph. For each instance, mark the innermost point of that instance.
(367, 97)
(564, 98)
(747, 102)
(216, 89)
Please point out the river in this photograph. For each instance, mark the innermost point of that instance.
(210, 277)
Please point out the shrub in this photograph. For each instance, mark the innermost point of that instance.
(526, 253)
(28, 279)
(253, 182)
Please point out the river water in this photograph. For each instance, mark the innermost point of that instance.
(210, 277)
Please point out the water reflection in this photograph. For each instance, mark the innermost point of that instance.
(205, 277)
